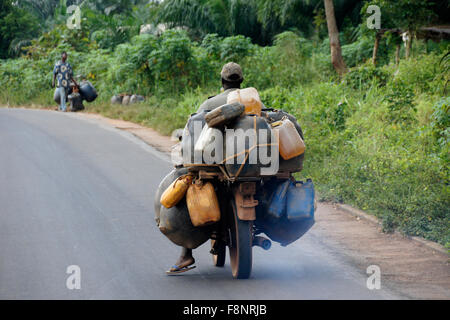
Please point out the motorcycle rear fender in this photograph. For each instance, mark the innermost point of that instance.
(245, 202)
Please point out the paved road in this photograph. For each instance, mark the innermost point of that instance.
(75, 193)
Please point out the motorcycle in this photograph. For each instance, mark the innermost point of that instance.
(251, 203)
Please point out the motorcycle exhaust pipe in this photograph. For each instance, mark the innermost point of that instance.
(262, 242)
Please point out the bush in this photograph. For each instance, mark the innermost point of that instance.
(279, 98)
(22, 80)
(290, 43)
(400, 103)
(172, 55)
(440, 128)
(288, 63)
(421, 73)
(359, 51)
(366, 76)
(212, 45)
(235, 48)
(440, 122)
(260, 69)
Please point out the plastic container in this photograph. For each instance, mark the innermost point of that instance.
(202, 204)
(296, 205)
(300, 200)
(291, 144)
(57, 97)
(295, 164)
(116, 99)
(88, 91)
(224, 114)
(285, 231)
(277, 204)
(207, 137)
(175, 222)
(126, 100)
(176, 191)
(235, 164)
(135, 98)
(249, 97)
(76, 102)
(277, 115)
(191, 134)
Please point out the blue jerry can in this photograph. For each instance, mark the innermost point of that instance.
(277, 202)
(300, 200)
(291, 212)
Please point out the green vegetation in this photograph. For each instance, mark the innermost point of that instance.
(377, 138)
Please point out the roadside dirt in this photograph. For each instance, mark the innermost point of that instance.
(407, 267)
(148, 135)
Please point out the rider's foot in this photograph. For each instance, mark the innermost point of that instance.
(183, 264)
(185, 261)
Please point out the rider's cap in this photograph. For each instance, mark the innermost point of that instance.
(232, 72)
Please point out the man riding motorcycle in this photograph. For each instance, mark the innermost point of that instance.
(232, 78)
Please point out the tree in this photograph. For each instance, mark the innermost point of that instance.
(280, 15)
(407, 15)
(333, 33)
(277, 16)
(260, 20)
(42, 9)
(114, 6)
(17, 28)
(224, 17)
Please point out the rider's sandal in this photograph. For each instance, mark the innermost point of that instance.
(177, 270)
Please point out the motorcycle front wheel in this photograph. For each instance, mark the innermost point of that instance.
(240, 246)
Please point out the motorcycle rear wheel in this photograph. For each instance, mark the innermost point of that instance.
(240, 246)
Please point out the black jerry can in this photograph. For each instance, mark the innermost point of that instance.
(191, 133)
(246, 139)
(224, 114)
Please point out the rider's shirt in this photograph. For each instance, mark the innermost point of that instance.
(216, 101)
(64, 73)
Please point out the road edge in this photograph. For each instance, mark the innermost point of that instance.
(374, 220)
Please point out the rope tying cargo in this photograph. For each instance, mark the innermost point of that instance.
(246, 152)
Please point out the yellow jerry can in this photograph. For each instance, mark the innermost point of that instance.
(202, 204)
(291, 144)
(176, 191)
(249, 97)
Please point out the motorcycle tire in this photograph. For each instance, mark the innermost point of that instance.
(240, 246)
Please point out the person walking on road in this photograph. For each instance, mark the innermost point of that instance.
(63, 74)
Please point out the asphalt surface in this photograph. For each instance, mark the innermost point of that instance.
(73, 192)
